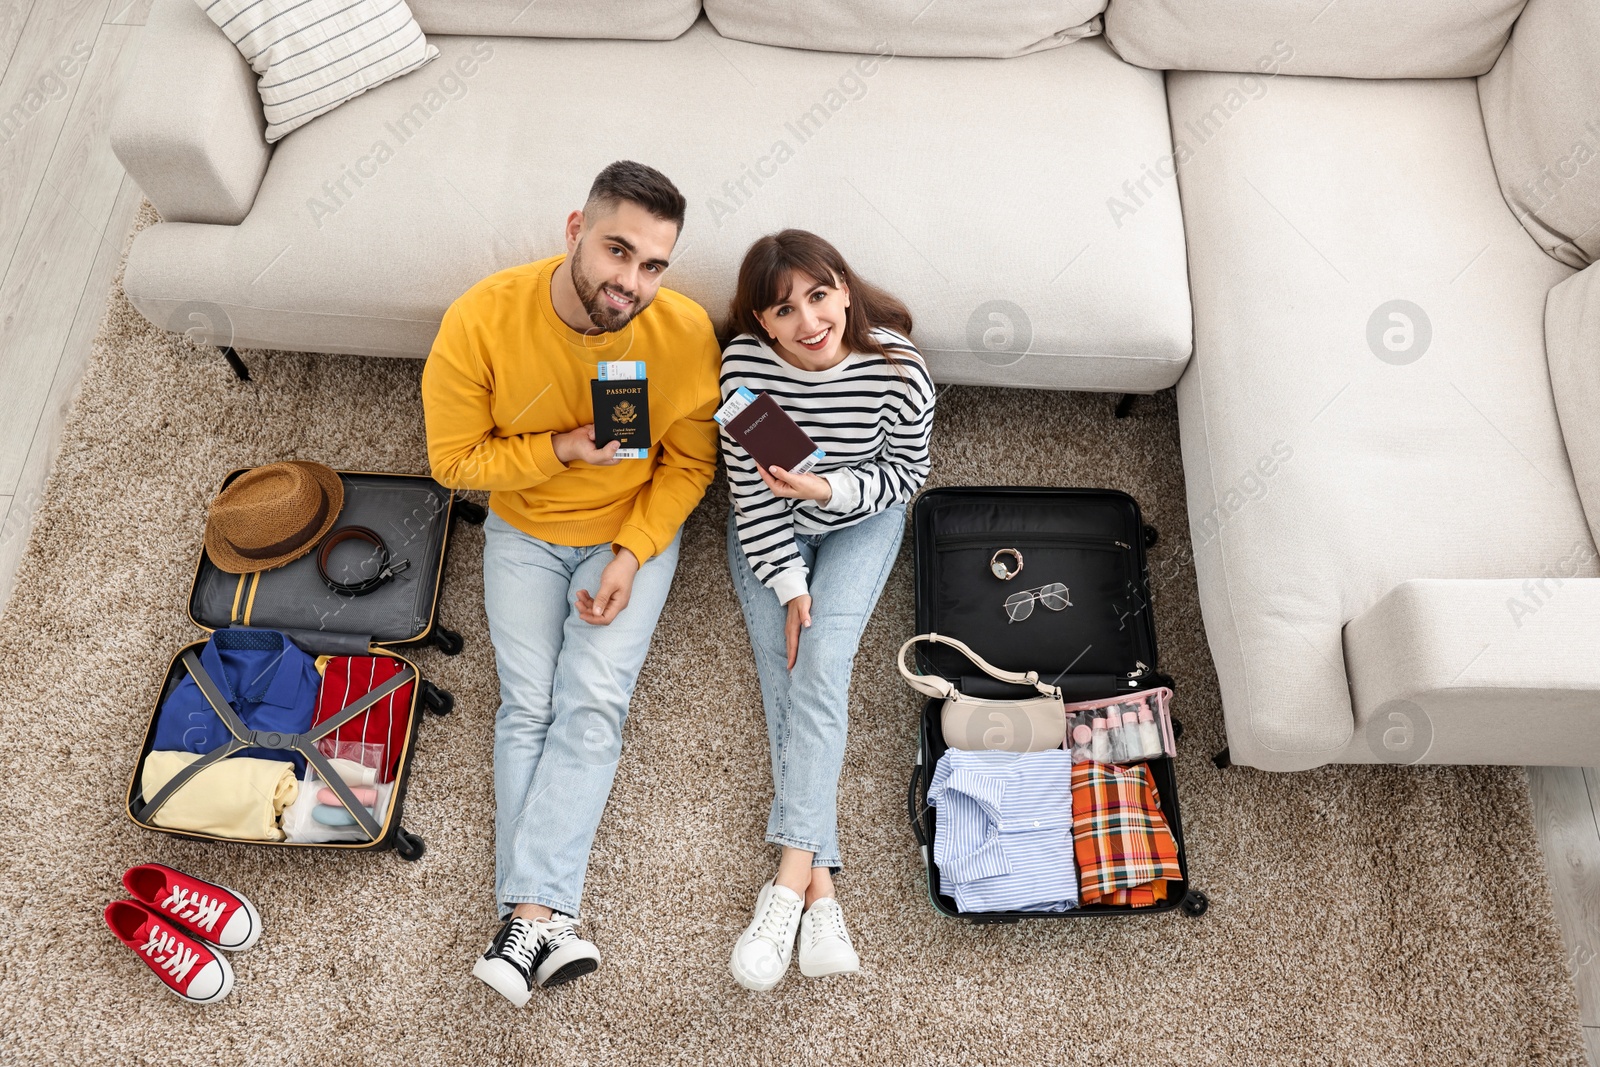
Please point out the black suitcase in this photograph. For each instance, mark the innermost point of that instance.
(1092, 540)
(413, 516)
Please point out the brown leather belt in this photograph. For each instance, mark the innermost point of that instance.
(362, 586)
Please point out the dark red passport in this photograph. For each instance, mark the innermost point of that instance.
(772, 438)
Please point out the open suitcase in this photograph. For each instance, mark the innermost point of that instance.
(1103, 646)
(412, 514)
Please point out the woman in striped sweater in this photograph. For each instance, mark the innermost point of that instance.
(810, 553)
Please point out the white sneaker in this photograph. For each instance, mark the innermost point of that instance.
(762, 953)
(825, 946)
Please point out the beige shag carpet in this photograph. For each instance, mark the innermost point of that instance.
(1362, 916)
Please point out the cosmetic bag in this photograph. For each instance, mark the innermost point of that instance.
(413, 516)
(1100, 647)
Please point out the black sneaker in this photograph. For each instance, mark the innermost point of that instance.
(508, 963)
(563, 955)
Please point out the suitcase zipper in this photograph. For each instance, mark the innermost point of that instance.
(1041, 538)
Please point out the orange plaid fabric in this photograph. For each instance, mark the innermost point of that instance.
(1126, 852)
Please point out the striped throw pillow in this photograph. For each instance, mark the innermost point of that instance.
(313, 55)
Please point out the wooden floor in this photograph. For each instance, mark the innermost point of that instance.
(65, 206)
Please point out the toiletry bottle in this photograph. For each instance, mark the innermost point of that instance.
(1100, 744)
(1149, 734)
(1082, 743)
(1126, 741)
(1119, 754)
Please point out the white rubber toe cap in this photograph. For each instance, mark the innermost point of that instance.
(757, 965)
(213, 982)
(243, 928)
(503, 979)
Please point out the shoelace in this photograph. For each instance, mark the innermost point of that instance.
(775, 919)
(194, 907)
(163, 948)
(522, 943)
(558, 930)
(828, 922)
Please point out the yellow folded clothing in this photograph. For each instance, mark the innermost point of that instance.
(238, 797)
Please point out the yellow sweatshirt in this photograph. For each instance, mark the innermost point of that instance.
(506, 373)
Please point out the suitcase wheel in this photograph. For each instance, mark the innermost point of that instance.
(1196, 903)
(439, 701)
(471, 513)
(1151, 535)
(411, 848)
(448, 641)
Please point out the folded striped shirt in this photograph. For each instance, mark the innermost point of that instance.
(1002, 834)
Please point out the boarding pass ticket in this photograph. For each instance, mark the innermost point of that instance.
(625, 370)
(737, 402)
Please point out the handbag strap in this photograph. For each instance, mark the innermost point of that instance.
(934, 686)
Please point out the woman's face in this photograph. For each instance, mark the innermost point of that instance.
(808, 323)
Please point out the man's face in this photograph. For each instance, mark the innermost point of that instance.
(617, 259)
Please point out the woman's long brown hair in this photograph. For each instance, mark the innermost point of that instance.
(766, 277)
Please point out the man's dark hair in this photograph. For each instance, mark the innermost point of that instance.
(639, 184)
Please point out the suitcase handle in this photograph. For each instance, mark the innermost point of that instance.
(911, 802)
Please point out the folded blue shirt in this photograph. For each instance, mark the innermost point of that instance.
(270, 683)
(1003, 832)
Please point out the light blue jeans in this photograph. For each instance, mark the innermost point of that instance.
(564, 691)
(808, 708)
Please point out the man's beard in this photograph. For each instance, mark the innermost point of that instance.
(601, 312)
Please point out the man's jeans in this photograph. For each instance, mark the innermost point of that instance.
(564, 691)
(808, 708)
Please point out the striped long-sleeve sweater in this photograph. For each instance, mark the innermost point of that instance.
(872, 420)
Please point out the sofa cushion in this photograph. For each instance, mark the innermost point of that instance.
(659, 20)
(989, 220)
(1344, 38)
(1572, 336)
(1541, 106)
(314, 55)
(988, 28)
(1368, 401)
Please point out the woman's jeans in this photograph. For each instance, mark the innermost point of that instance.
(564, 691)
(808, 708)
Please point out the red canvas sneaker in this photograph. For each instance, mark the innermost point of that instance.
(188, 966)
(214, 913)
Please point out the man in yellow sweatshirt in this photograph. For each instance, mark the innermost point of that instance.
(580, 545)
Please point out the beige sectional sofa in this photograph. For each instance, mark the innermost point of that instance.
(1372, 299)
(354, 233)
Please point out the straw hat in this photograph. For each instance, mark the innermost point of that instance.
(272, 515)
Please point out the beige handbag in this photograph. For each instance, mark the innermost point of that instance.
(1032, 724)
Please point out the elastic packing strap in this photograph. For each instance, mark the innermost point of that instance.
(305, 744)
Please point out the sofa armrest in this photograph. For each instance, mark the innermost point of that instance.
(1500, 670)
(189, 127)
